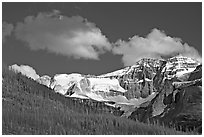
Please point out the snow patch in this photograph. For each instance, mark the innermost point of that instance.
(188, 70)
(78, 96)
(146, 79)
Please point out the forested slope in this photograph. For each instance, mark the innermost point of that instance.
(31, 108)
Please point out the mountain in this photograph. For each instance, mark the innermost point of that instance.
(31, 108)
(150, 90)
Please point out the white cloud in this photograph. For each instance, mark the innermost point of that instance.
(76, 37)
(25, 70)
(69, 36)
(6, 30)
(155, 45)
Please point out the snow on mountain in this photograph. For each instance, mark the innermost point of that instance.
(91, 87)
(75, 95)
(64, 79)
(25, 70)
(100, 89)
(105, 84)
(179, 65)
(132, 85)
(146, 79)
(61, 82)
(96, 88)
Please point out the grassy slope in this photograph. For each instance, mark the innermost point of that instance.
(31, 108)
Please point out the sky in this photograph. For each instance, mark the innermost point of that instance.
(96, 38)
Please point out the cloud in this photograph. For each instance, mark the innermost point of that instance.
(155, 45)
(25, 70)
(77, 37)
(69, 36)
(6, 30)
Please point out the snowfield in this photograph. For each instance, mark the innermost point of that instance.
(105, 84)
(62, 82)
(85, 87)
(65, 79)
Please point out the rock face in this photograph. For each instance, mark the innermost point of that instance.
(138, 80)
(177, 103)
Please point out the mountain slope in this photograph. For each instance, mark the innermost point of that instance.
(31, 108)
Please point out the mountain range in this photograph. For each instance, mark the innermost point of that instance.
(168, 91)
